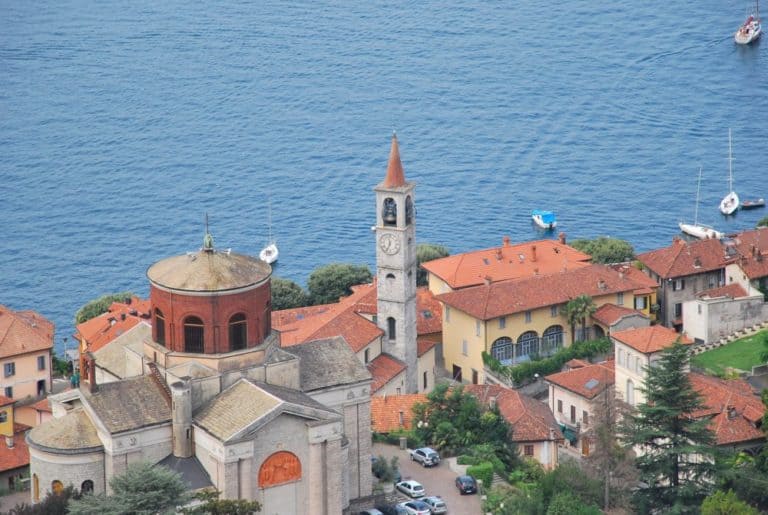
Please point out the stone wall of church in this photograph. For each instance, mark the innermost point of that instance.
(70, 469)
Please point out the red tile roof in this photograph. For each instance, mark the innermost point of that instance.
(514, 296)
(719, 395)
(530, 419)
(646, 285)
(42, 405)
(119, 318)
(650, 339)
(753, 247)
(429, 312)
(609, 314)
(384, 368)
(586, 381)
(4, 401)
(386, 409)
(16, 456)
(23, 332)
(542, 257)
(733, 291)
(395, 177)
(425, 343)
(684, 258)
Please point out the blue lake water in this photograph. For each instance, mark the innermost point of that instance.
(122, 123)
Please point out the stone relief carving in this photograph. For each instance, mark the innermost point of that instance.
(281, 467)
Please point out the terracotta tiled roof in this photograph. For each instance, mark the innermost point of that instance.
(645, 284)
(737, 425)
(650, 339)
(684, 258)
(753, 247)
(576, 363)
(609, 314)
(386, 409)
(585, 381)
(530, 419)
(16, 456)
(395, 177)
(425, 343)
(384, 368)
(42, 405)
(733, 291)
(4, 401)
(23, 332)
(515, 296)
(120, 317)
(429, 312)
(527, 259)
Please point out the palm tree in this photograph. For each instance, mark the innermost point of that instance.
(577, 311)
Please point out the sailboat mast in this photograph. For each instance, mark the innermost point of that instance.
(730, 162)
(696, 210)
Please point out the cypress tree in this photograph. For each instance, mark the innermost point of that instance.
(675, 451)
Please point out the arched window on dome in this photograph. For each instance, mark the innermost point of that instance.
(238, 332)
(194, 331)
(389, 212)
(159, 327)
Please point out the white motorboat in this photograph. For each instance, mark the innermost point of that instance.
(730, 202)
(544, 219)
(696, 229)
(751, 29)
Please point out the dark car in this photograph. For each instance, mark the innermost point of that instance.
(466, 485)
(388, 509)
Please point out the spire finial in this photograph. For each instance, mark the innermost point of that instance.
(395, 176)
(208, 237)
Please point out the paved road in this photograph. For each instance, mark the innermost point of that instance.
(436, 480)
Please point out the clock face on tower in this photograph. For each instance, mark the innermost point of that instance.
(389, 244)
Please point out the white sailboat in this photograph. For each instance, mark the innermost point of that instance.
(751, 29)
(270, 253)
(696, 229)
(730, 202)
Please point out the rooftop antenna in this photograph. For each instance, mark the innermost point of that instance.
(207, 238)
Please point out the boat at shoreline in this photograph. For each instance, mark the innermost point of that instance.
(544, 219)
(730, 202)
(696, 229)
(752, 204)
(270, 253)
(751, 29)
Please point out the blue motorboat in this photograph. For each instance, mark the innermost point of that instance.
(544, 219)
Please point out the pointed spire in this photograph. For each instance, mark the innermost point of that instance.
(395, 175)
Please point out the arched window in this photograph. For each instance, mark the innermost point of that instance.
(503, 350)
(86, 487)
(57, 486)
(391, 333)
(552, 339)
(527, 345)
(159, 327)
(194, 340)
(35, 488)
(238, 332)
(408, 210)
(390, 277)
(630, 392)
(389, 212)
(281, 467)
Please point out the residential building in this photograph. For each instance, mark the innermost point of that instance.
(515, 320)
(721, 312)
(26, 346)
(576, 397)
(534, 429)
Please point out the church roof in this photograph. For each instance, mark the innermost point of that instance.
(190, 469)
(208, 271)
(395, 177)
(111, 356)
(328, 362)
(129, 404)
(72, 433)
(246, 406)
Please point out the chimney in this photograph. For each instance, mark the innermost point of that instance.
(122, 316)
(551, 433)
(561, 237)
(505, 240)
(533, 252)
(601, 284)
(621, 274)
(499, 255)
(9, 441)
(181, 417)
(91, 365)
(731, 412)
(535, 271)
(492, 402)
(487, 280)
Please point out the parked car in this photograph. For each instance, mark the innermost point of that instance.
(372, 511)
(426, 456)
(436, 504)
(415, 507)
(466, 485)
(392, 509)
(411, 488)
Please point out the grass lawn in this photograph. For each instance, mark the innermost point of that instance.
(741, 354)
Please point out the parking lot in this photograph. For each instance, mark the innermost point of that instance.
(436, 480)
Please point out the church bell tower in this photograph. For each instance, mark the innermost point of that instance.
(396, 266)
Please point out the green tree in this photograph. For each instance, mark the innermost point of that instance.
(286, 294)
(565, 503)
(427, 252)
(52, 504)
(96, 307)
(327, 284)
(605, 250)
(763, 222)
(577, 311)
(676, 451)
(722, 503)
(142, 488)
(212, 505)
